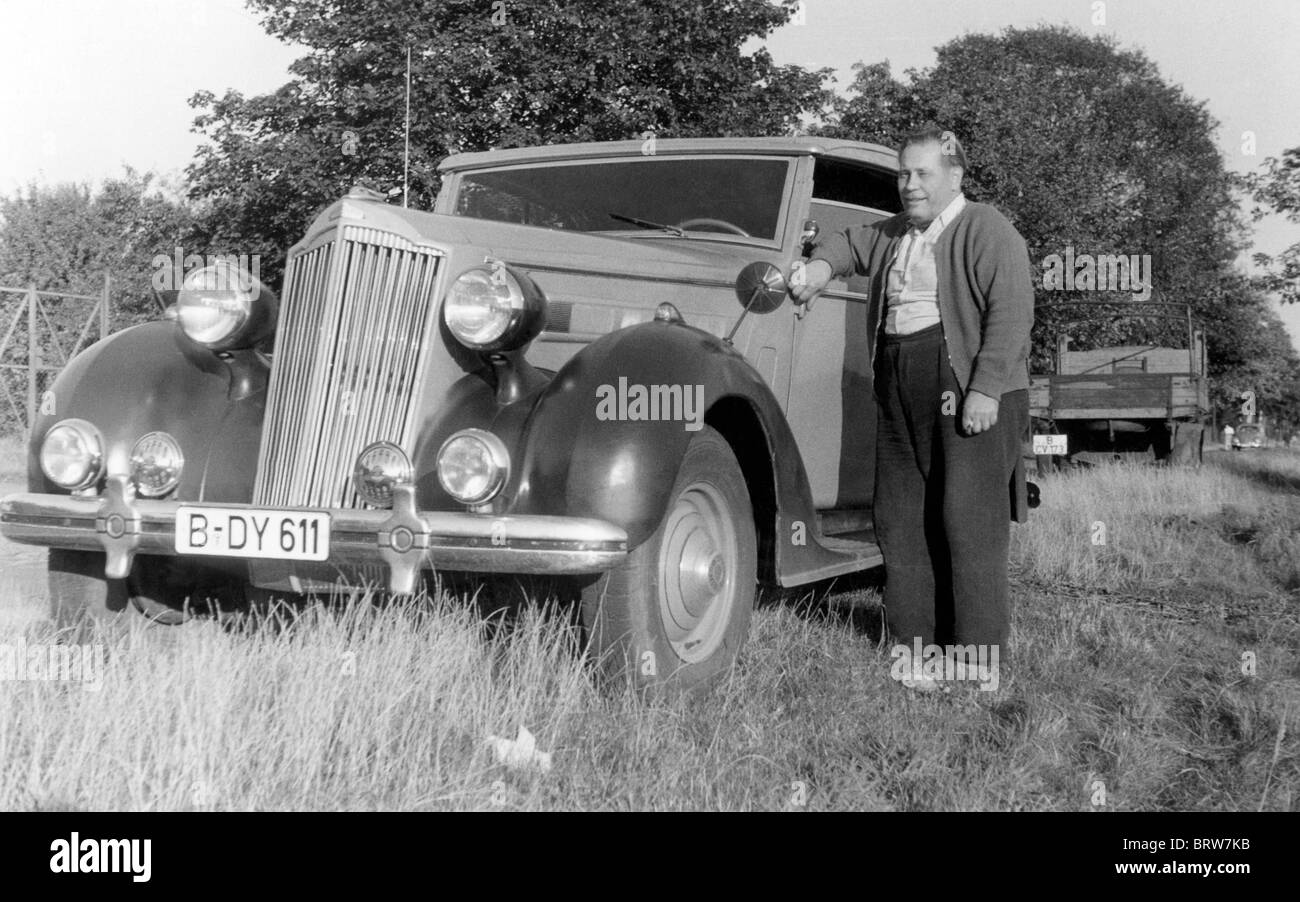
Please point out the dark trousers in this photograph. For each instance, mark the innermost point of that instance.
(943, 499)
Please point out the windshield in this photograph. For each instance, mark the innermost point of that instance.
(721, 195)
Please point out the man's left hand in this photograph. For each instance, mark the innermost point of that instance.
(978, 413)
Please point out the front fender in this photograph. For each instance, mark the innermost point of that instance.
(579, 461)
(151, 377)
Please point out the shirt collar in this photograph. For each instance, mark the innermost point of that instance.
(955, 206)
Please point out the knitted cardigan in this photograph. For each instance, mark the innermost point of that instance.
(985, 292)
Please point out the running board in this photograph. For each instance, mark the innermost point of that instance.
(837, 522)
(823, 557)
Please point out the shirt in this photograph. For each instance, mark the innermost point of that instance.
(911, 287)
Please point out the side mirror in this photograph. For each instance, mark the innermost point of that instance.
(809, 235)
(760, 287)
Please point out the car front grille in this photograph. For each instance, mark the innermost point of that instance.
(354, 318)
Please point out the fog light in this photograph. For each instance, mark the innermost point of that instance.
(473, 466)
(156, 463)
(380, 467)
(72, 454)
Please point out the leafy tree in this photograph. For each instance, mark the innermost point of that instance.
(1278, 191)
(1249, 350)
(1082, 145)
(67, 238)
(483, 74)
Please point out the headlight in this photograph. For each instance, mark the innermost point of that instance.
(72, 454)
(223, 307)
(494, 308)
(156, 464)
(473, 466)
(379, 467)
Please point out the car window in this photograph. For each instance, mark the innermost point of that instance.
(720, 195)
(860, 186)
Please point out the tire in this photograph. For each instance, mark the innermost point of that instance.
(1188, 445)
(81, 596)
(672, 618)
(170, 591)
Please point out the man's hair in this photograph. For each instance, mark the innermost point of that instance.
(950, 148)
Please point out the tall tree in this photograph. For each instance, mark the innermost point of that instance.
(1083, 145)
(1251, 351)
(66, 237)
(1278, 191)
(483, 74)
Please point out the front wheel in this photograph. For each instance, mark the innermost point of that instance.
(674, 615)
(169, 591)
(80, 594)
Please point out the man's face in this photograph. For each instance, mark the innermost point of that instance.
(926, 184)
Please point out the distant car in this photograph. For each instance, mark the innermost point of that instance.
(578, 365)
(1247, 437)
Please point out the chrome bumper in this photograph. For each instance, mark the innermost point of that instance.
(406, 540)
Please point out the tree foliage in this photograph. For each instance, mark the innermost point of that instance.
(483, 74)
(1277, 190)
(1084, 145)
(66, 238)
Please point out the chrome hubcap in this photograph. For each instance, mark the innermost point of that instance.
(697, 572)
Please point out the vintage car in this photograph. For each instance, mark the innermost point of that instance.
(578, 365)
(1250, 435)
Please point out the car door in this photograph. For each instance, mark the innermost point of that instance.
(831, 408)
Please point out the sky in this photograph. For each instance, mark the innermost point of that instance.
(88, 86)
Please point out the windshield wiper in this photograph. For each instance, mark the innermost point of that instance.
(646, 224)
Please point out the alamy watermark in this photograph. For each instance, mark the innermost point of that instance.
(240, 271)
(75, 855)
(942, 663)
(1098, 272)
(82, 664)
(633, 401)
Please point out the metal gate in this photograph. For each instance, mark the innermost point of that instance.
(42, 331)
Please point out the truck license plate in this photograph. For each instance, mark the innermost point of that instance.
(1049, 444)
(276, 534)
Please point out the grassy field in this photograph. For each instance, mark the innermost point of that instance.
(1156, 638)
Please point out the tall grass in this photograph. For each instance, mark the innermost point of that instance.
(13, 459)
(1127, 678)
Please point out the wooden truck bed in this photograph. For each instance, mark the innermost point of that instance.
(1118, 396)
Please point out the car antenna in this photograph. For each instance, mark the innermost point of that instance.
(406, 160)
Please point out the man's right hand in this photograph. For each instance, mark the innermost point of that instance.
(808, 279)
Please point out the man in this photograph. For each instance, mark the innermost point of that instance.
(951, 307)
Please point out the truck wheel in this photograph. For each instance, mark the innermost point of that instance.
(1188, 445)
(80, 594)
(673, 616)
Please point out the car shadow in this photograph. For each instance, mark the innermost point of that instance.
(852, 601)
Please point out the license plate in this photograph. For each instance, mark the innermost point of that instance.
(276, 534)
(1049, 444)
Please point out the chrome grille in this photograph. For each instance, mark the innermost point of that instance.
(353, 322)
